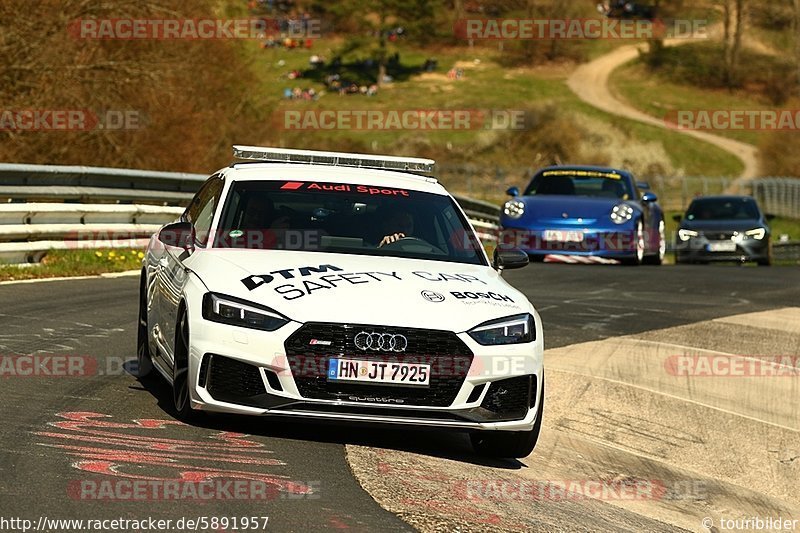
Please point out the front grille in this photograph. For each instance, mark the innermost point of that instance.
(718, 235)
(310, 347)
(232, 381)
(511, 397)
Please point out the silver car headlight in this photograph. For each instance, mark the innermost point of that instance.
(621, 213)
(757, 233)
(514, 208)
(686, 234)
(236, 312)
(509, 330)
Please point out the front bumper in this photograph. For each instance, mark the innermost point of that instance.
(237, 370)
(612, 243)
(700, 249)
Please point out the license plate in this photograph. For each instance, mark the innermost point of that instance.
(379, 372)
(563, 236)
(724, 246)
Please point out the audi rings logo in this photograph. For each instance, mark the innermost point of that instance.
(381, 342)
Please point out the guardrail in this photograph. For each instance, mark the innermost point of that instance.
(31, 183)
(134, 203)
(119, 208)
(786, 251)
(29, 230)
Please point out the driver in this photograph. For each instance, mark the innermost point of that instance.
(260, 214)
(397, 225)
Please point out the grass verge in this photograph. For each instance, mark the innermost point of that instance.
(70, 263)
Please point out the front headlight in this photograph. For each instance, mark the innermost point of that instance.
(758, 233)
(235, 312)
(686, 234)
(514, 208)
(510, 330)
(621, 213)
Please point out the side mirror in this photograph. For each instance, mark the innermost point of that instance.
(510, 259)
(643, 185)
(512, 191)
(178, 234)
(677, 218)
(769, 216)
(649, 197)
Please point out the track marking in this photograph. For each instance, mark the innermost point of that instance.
(109, 275)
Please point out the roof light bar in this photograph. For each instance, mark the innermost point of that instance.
(344, 159)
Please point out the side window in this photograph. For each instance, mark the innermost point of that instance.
(201, 210)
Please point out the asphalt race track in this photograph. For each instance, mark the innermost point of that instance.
(67, 438)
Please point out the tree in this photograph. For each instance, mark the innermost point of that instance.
(734, 24)
(797, 36)
(378, 18)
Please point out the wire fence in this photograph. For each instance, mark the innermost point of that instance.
(778, 196)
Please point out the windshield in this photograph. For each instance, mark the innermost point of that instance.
(580, 183)
(723, 209)
(346, 218)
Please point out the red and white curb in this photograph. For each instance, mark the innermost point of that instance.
(579, 259)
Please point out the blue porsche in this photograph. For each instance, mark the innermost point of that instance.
(585, 211)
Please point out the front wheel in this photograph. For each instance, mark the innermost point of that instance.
(144, 363)
(638, 255)
(658, 258)
(509, 444)
(767, 261)
(180, 372)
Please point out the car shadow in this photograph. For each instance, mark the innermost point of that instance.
(452, 445)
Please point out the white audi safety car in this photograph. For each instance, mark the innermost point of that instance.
(341, 287)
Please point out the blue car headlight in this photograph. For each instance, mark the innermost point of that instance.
(621, 213)
(236, 312)
(514, 208)
(509, 330)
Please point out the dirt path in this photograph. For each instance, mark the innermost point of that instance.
(590, 83)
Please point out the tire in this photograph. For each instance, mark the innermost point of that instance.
(767, 261)
(658, 257)
(181, 397)
(509, 444)
(144, 366)
(638, 256)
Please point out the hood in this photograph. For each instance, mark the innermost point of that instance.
(721, 225)
(326, 287)
(552, 208)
